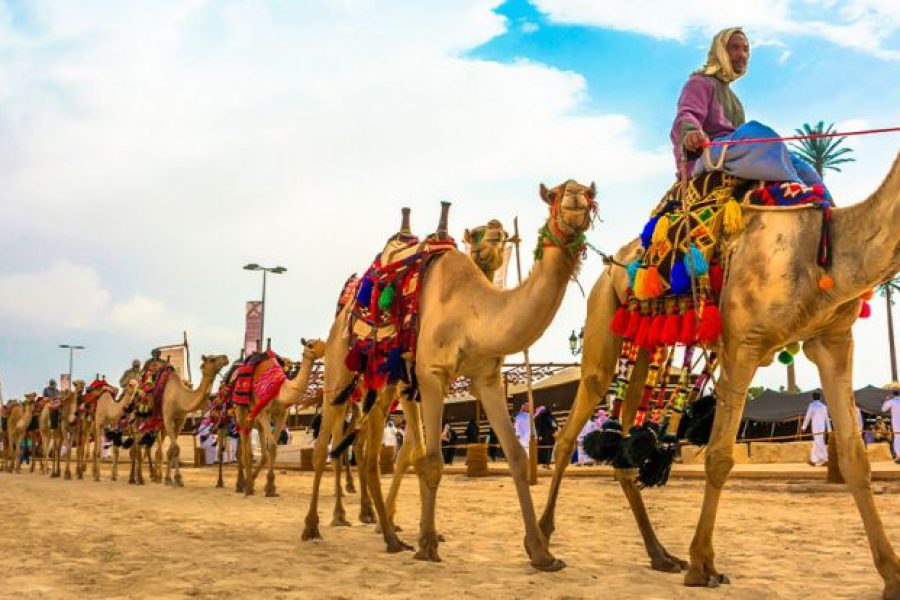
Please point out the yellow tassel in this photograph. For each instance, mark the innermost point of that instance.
(661, 231)
(639, 284)
(793, 348)
(732, 217)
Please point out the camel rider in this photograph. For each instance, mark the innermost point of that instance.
(155, 362)
(708, 109)
(51, 391)
(133, 373)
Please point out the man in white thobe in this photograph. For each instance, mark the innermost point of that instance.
(892, 404)
(817, 417)
(523, 427)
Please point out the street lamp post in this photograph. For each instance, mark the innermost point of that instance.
(262, 317)
(71, 348)
(576, 342)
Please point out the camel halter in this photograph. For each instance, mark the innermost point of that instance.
(559, 234)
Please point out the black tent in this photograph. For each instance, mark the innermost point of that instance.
(772, 406)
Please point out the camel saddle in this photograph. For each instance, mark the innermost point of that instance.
(92, 393)
(265, 387)
(384, 311)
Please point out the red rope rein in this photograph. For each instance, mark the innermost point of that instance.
(811, 136)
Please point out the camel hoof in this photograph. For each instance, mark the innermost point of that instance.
(549, 565)
(271, 494)
(396, 545)
(694, 579)
(366, 517)
(178, 481)
(311, 532)
(891, 591)
(350, 489)
(68, 477)
(340, 521)
(220, 484)
(429, 553)
(668, 564)
(168, 482)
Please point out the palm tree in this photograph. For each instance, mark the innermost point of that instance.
(822, 153)
(888, 289)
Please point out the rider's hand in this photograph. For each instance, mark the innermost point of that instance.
(694, 141)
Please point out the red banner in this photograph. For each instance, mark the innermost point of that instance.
(253, 327)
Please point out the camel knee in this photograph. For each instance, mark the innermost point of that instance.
(430, 469)
(718, 465)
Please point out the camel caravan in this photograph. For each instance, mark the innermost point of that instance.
(728, 271)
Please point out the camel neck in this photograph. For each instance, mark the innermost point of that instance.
(297, 385)
(866, 243)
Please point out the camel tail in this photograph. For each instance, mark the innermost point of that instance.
(346, 392)
(345, 443)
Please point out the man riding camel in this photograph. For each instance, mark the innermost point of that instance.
(133, 373)
(709, 110)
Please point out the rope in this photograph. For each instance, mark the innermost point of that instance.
(811, 136)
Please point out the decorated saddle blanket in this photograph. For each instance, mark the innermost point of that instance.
(384, 315)
(681, 244)
(265, 387)
(153, 384)
(348, 293)
(93, 393)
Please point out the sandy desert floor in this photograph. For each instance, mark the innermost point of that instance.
(81, 539)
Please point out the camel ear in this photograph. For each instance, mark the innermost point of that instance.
(545, 194)
(203, 358)
(593, 190)
(303, 341)
(467, 237)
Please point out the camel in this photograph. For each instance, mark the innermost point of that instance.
(107, 413)
(272, 418)
(771, 297)
(487, 246)
(17, 422)
(140, 447)
(177, 402)
(467, 327)
(68, 427)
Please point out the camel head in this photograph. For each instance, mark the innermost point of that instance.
(30, 399)
(210, 365)
(312, 349)
(572, 210)
(487, 244)
(130, 392)
(79, 385)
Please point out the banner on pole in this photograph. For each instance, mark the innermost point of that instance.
(252, 327)
(176, 355)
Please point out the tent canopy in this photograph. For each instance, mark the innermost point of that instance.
(773, 406)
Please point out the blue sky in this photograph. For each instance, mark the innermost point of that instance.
(150, 150)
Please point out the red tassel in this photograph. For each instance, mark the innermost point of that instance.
(619, 323)
(353, 360)
(634, 322)
(688, 334)
(865, 311)
(641, 339)
(716, 278)
(670, 330)
(656, 327)
(710, 323)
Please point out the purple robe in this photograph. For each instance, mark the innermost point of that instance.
(706, 104)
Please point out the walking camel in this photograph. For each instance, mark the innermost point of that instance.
(17, 423)
(68, 428)
(178, 400)
(467, 327)
(771, 298)
(107, 413)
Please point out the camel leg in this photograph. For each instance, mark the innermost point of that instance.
(430, 467)
(350, 488)
(132, 475)
(33, 453)
(362, 451)
(55, 466)
(833, 356)
(339, 516)
(411, 449)
(156, 472)
(737, 372)
(241, 478)
(332, 421)
(114, 475)
(270, 489)
(68, 474)
(175, 454)
(490, 390)
(95, 469)
(221, 440)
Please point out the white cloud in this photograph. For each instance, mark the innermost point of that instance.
(865, 25)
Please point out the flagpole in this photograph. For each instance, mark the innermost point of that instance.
(532, 439)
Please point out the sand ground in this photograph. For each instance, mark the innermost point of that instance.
(82, 539)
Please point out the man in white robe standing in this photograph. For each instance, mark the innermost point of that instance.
(892, 404)
(817, 417)
(523, 427)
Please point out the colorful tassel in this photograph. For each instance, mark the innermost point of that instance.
(868, 295)
(653, 283)
(716, 278)
(695, 260)
(732, 217)
(632, 270)
(619, 323)
(355, 360)
(865, 311)
(640, 339)
(647, 233)
(661, 231)
(785, 357)
(680, 280)
(364, 296)
(634, 323)
(710, 323)
(688, 334)
(793, 348)
(654, 337)
(639, 284)
(386, 298)
(395, 366)
(671, 329)
(826, 282)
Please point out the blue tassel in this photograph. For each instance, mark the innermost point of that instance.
(647, 234)
(364, 295)
(632, 270)
(396, 366)
(681, 280)
(699, 265)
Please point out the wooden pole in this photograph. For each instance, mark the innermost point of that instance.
(532, 438)
(187, 357)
